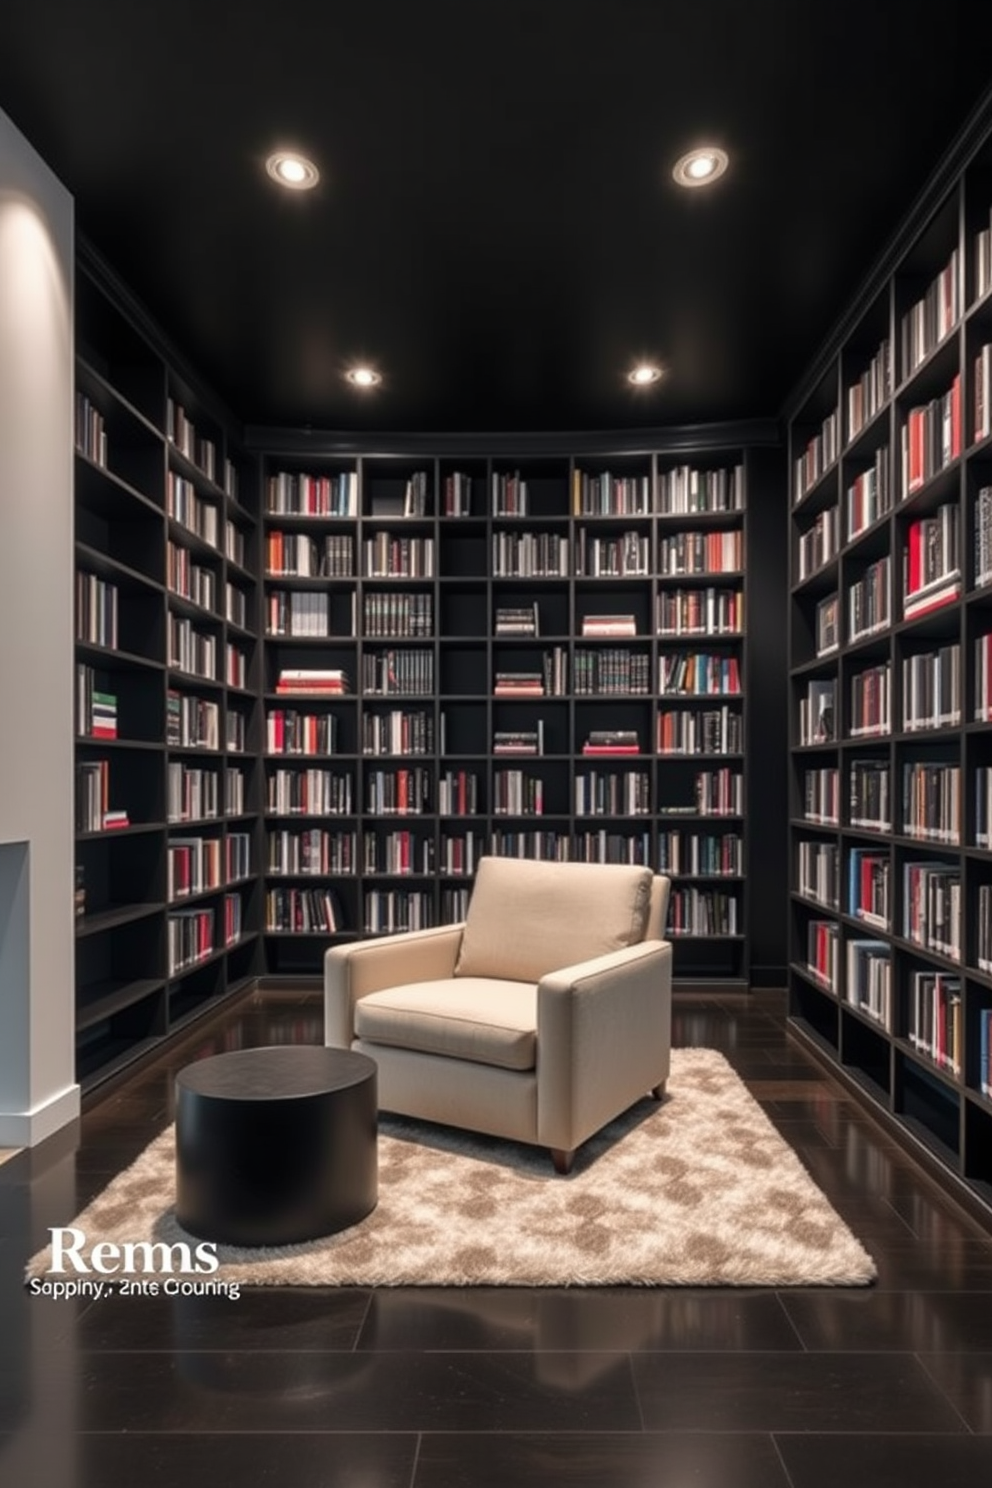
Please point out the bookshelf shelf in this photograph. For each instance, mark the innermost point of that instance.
(105, 999)
(113, 917)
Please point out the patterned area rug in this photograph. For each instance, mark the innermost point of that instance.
(699, 1190)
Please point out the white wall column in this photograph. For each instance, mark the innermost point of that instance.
(38, 1093)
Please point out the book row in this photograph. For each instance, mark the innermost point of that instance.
(197, 448)
(195, 723)
(931, 695)
(700, 912)
(195, 865)
(333, 556)
(821, 450)
(192, 933)
(925, 324)
(96, 610)
(867, 395)
(931, 799)
(931, 898)
(679, 491)
(90, 434)
(193, 793)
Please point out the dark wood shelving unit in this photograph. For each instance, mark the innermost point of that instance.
(464, 653)
(918, 1051)
(128, 996)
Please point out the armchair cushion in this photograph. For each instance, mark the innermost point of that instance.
(527, 918)
(480, 1019)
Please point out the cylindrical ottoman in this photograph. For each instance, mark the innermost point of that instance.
(275, 1145)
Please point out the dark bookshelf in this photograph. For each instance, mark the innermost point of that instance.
(130, 453)
(502, 710)
(913, 1039)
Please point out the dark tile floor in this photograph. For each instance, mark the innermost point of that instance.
(416, 1388)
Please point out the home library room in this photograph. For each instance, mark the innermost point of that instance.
(166, 892)
(890, 643)
(468, 654)
(315, 685)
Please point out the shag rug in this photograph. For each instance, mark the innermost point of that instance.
(697, 1190)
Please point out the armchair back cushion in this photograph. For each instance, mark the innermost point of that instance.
(528, 918)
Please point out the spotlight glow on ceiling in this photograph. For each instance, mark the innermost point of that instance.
(364, 377)
(700, 167)
(643, 374)
(295, 172)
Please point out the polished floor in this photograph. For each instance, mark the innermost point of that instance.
(414, 1388)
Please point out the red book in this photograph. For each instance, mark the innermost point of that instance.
(611, 749)
(956, 417)
(309, 689)
(913, 563)
(915, 440)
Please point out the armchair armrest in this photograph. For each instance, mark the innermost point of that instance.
(354, 970)
(604, 1034)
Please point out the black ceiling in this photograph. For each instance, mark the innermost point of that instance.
(496, 227)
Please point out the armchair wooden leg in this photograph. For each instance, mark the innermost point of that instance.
(658, 1091)
(562, 1160)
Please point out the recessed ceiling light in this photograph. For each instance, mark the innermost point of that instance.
(364, 377)
(700, 167)
(643, 374)
(295, 172)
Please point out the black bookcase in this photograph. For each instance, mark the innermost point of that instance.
(459, 730)
(890, 615)
(167, 828)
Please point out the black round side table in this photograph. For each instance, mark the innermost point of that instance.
(277, 1145)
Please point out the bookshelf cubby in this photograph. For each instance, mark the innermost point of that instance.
(890, 972)
(167, 714)
(527, 656)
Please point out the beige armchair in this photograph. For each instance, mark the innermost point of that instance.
(540, 1017)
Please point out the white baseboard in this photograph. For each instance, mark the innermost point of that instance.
(28, 1128)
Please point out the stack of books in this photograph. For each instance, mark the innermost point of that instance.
(311, 682)
(103, 714)
(612, 741)
(93, 813)
(457, 495)
(96, 712)
(609, 625)
(931, 576)
(518, 684)
(519, 741)
(519, 620)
